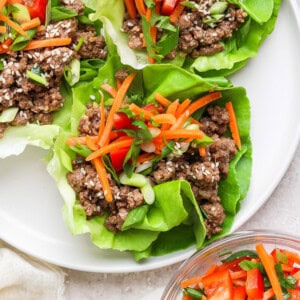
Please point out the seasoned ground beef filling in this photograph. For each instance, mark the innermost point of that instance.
(202, 172)
(198, 36)
(36, 102)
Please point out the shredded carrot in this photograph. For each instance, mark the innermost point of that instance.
(188, 297)
(164, 119)
(145, 114)
(195, 105)
(118, 82)
(4, 47)
(202, 151)
(2, 3)
(90, 142)
(41, 28)
(286, 268)
(145, 157)
(109, 89)
(108, 148)
(33, 23)
(104, 140)
(13, 25)
(54, 42)
(171, 110)
(103, 177)
(268, 263)
(141, 7)
(131, 9)
(182, 133)
(233, 125)
(191, 281)
(268, 294)
(148, 14)
(176, 13)
(78, 140)
(162, 100)
(293, 256)
(2, 29)
(182, 107)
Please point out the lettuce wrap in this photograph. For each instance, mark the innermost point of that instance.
(174, 221)
(35, 83)
(236, 50)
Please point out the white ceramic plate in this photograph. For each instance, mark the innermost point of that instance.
(30, 205)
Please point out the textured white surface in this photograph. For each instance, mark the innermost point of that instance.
(281, 212)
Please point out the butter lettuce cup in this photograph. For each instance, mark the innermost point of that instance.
(157, 160)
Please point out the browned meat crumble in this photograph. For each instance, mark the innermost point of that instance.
(36, 102)
(203, 173)
(196, 36)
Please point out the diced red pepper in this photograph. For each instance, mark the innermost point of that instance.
(38, 9)
(218, 286)
(239, 293)
(168, 7)
(254, 284)
(117, 158)
(295, 294)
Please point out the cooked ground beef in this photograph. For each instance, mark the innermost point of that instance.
(198, 34)
(202, 172)
(36, 102)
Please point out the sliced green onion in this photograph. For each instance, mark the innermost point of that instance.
(79, 44)
(72, 73)
(9, 114)
(36, 77)
(218, 8)
(136, 180)
(148, 193)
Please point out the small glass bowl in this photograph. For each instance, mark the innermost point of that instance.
(218, 250)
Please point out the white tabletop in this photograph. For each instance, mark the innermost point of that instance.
(281, 212)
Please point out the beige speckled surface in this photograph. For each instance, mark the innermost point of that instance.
(281, 212)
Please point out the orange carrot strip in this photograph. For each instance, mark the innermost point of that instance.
(35, 22)
(2, 29)
(13, 25)
(103, 177)
(131, 9)
(2, 3)
(55, 42)
(145, 157)
(119, 83)
(268, 294)
(108, 148)
(164, 119)
(188, 297)
(90, 142)
(286, 268)
(197, 104)
(78, 140)
(141, 7)
(292, 255)
(162, 100)
(233, 125)
(191, 281)
(171, 110)
(41, 28)
(109, 89)
(182, 133)
(268, 263)
(202, 151)
(148, 14)
(145, 114)
(238, 274)
(182, 107)
(104, 140)
(297, 276)
(176, 13)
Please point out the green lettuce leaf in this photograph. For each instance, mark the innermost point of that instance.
(16, 138)
(174, 221)
(243, 45)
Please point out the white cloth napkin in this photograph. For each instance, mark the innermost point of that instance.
(26, 278)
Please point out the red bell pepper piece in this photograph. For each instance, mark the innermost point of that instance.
(239, 293)
(254, 284)
(295, 294)
(122, 121)
(117, 158)
(218, 286)
(38, 9)
(168, 7)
